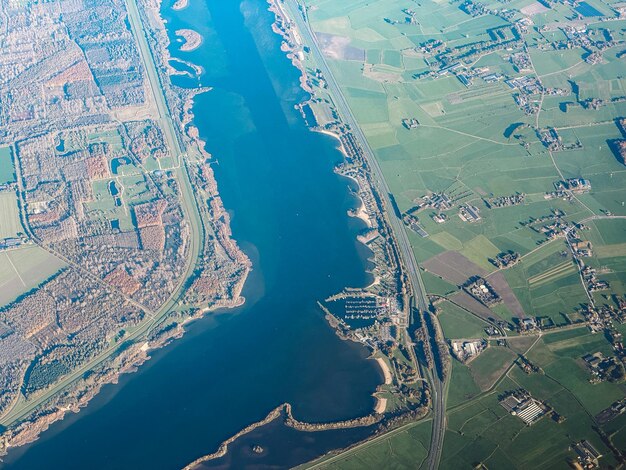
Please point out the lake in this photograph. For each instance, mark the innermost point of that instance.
(289, 213)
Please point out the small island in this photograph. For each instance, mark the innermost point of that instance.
(180, 5)
(191, 39)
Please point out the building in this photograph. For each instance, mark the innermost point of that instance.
(519, 403)
(469, 213)
(465, 351)
(588, 456)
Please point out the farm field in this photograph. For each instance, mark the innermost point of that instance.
(497, 128)
(481, 430)
(458, 323)
(7, 172)
(474, 143)
(23, 269)
(10, 224)
(404, 449)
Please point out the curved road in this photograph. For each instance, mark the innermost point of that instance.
(406, 251)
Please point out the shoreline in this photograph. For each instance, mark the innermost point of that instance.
(386, 372)
(283, 18)
(288, 420)
(381, 403)
(173, 71)
(80, 392)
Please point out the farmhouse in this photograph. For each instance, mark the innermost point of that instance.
(482, 291)
(465, 351)
(575, 185)
(522, 405)
(469, 213)
(587, 454)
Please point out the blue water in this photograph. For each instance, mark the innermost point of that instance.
(289, 214)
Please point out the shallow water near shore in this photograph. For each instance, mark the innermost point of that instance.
(288, 213)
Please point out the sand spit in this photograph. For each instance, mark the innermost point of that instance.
(285, 411)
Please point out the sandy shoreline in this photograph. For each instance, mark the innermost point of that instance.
(385, 368)
(361, 212)
(381, 405)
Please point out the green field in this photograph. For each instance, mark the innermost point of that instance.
(458, 323)
(10, 224)
(490, 365)
(437, 285)
(23, 269)
(7, 172)
(462, 143)
(111, 137)
(462, 385)
(547, 283)
(484, 432)
(405, 449)
(476, 144)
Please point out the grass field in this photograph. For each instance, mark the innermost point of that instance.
(111, 137)
(475, 143)
(10, 224)
(7, 172)
(436, 285)
(448, 150)
(462, 385)
(490, 365)
(484, 432)
(24, 269)
(547, 283)
(458, 323)
(403, 450)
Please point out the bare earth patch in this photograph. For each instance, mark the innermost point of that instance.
(468, 302)
(499, 283)
(338, 47)
(454, 267)
(533, 9)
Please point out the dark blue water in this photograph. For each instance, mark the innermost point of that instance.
(282, 446)
(116, 163)
(289, 214)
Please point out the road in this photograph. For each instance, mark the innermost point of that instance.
(406, 251)
(190, 209)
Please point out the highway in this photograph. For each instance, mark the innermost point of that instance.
(192, 215)
(438, 387)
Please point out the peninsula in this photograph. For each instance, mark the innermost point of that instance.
(117, 207)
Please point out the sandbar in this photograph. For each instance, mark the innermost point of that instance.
(180, 5)
(191, 39)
